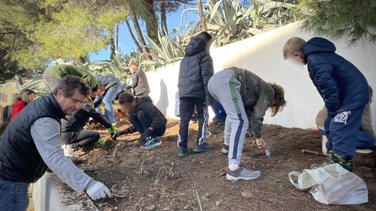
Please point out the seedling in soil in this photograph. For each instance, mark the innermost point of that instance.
(198, 200)
(142, 163)
(115, 150)
(158, 177)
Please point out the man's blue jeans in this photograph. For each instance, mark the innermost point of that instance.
(13, 195)
(108, 99)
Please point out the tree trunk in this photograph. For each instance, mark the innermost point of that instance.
(201, 14)
(117, 36)
(112, 44)
(164, 17)
(132, 36)
(150, 18)
(140, 37)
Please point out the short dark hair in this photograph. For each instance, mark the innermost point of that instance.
(71, 83)
(24, 94)
(126, 98)
(205, 36)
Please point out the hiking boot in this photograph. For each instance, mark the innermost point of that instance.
(69, 151)
(241, 173)
(332, 158)
(151, 143)
(204, 147)
(225, 149)
(183, 152)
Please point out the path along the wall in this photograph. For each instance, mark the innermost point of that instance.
(262, 54)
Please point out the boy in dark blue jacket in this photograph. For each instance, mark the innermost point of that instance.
(343, 88)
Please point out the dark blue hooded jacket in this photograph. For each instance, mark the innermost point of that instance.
(342, 86)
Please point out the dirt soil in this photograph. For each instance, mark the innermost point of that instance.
(158, 180)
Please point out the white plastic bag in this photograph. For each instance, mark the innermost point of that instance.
(331, 184)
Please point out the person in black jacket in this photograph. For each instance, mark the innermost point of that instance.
(145, 118)
(72, 134)
(196, 68)
(344, 90)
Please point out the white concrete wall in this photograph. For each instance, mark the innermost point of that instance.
(262, 55)
(51, 194)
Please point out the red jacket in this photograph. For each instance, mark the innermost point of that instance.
(17, 107)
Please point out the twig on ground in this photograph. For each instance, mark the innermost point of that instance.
(198, 200)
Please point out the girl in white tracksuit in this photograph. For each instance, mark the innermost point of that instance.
(245, 98)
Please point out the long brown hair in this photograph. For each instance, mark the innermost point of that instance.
(279, 99)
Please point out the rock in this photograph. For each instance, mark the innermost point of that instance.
(166, 208)
(107, 209)
(150, 207)
(247, 194)
(369, 175)
(186, 207)
(218, 203)
(146, 172)
(205, 197)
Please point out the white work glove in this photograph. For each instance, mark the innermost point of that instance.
(97, 190)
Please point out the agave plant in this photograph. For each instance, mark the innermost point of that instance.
(231, 21)
(169, 50)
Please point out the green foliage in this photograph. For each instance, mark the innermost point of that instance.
(50, 29)
(117, 67)
(338, 18)
(169, 50)
(232, 21)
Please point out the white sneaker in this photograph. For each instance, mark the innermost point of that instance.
(69, 151)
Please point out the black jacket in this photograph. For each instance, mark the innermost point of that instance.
(146, 105)
(76, 121)
(19, 158)
(196, 68)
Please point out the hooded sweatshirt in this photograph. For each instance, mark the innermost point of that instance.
(157, 119)
(342, 86)
(196, 68)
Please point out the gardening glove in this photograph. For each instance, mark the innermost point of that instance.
(97, 190)
(111, 130)
(145, 135)
(120, 133)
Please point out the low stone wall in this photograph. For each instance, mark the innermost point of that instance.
(51, 194)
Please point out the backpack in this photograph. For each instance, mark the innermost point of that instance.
(5, 114)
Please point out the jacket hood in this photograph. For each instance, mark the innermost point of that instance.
(195, 46)
(318, 45)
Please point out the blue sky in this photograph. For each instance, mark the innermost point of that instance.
(125, 42)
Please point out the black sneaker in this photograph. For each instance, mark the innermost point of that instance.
(204, 147)
(151, 143)
(333, 158)
(183, 152)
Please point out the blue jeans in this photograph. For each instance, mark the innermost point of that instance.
(108, 99)
(13, 195)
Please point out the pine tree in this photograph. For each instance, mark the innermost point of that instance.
(353, 19)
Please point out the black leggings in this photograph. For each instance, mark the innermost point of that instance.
(83, 138)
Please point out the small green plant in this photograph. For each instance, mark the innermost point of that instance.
(142, 163)
(158, 177)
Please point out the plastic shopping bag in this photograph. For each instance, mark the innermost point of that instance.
(331, 184)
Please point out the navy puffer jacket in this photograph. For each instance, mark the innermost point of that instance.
(196, 68)
(342, 86)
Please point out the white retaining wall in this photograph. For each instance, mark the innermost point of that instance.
(262, 54)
